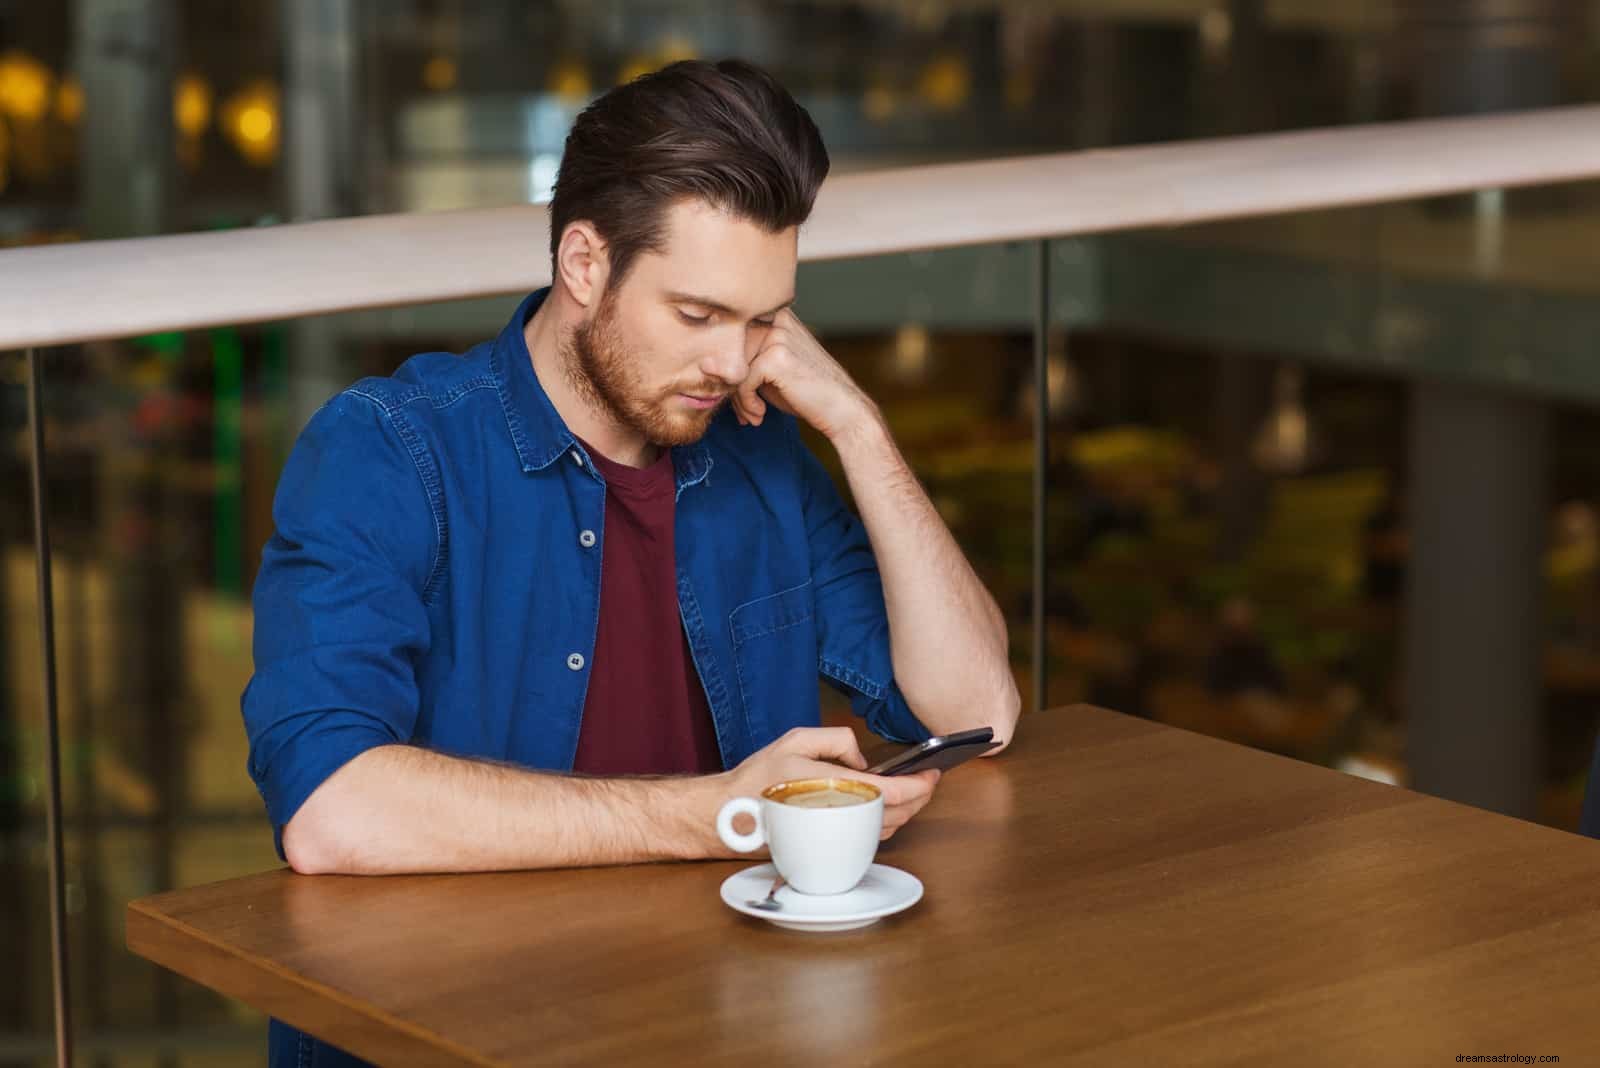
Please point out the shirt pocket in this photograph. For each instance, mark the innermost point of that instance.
(775, 657)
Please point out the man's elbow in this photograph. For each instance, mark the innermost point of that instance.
(1003, 718)
(310, 845)
(300, 847)
(319, 838)
(1004, 706)
(998, 710)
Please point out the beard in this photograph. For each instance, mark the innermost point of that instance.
(607, 377)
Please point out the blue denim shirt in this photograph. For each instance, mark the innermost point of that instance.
(434, 579)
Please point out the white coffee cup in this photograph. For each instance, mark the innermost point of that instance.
(816, 850)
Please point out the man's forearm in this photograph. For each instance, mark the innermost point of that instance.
(947, 634)
(400, 808)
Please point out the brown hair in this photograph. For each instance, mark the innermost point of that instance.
(725, 132)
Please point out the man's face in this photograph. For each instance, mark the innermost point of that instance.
(663, 352)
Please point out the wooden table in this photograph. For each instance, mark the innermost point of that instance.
(1108, 891)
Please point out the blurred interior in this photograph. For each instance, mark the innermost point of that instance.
(1259, 431)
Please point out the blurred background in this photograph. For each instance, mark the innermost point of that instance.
(1324, 484)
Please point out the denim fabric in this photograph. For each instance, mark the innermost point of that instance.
(434, 579)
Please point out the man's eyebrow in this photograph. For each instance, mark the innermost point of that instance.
(714, 305)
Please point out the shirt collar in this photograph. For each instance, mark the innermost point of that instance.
(537, 430)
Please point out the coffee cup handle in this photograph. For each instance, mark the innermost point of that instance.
(743, 843)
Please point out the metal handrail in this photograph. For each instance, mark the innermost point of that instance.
(57, 294)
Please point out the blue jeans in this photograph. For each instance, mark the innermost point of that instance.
(289, 1048)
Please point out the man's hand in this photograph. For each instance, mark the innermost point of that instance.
(795, 373)
(823, 753)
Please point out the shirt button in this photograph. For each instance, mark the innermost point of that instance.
(575, 661)
(576, 458)
(586, 539)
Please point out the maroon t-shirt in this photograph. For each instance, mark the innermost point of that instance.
(645, 712)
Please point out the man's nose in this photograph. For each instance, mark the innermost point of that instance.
(727, 364)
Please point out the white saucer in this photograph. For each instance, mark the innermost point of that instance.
(883, 891)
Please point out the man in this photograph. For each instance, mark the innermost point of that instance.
(552, 602)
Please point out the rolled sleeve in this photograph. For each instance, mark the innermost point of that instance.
(340, 613)
(852, 620)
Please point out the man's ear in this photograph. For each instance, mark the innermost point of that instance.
(583, 262)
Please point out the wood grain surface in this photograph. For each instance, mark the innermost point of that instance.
(1107, 891)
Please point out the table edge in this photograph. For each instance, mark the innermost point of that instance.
(153, 936)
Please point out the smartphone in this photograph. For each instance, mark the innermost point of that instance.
(944, 752)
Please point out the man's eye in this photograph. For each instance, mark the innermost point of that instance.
(698, 320)
(765, 322)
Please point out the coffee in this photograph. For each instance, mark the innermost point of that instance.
(823, 833)
(825, 798)
(821, 793)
